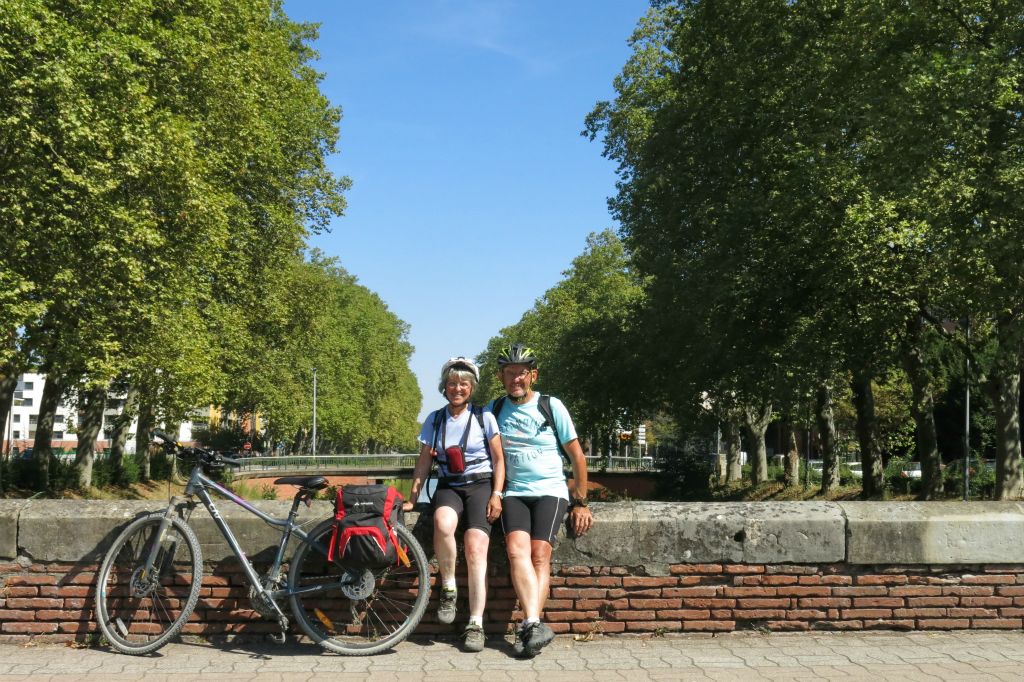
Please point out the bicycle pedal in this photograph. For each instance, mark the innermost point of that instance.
(278, 637)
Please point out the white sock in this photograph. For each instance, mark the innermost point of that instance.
(528, 621)
(449, 584)
(476, 620)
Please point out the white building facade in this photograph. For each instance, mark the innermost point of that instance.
(19, 430)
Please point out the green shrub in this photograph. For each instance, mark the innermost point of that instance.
(686, 475)
(982, 481)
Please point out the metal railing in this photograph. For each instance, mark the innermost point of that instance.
(397, 462)
(354, 463)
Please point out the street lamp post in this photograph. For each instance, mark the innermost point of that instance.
(967, 415)
(314, 412)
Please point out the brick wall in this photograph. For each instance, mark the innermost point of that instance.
(54, 601)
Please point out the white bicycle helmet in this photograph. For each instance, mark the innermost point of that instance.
(459, 363)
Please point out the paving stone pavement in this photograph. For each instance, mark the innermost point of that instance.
(847, 656)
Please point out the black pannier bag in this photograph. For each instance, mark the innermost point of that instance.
(364, 527)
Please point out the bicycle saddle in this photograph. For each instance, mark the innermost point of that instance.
(308, 482)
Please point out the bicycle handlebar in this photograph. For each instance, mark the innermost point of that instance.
(206, 456)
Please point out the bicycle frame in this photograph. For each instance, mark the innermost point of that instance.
(199, 485)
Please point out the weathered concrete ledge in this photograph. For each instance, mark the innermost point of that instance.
(652, 535)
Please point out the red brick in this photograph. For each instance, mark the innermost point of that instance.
(749, 591)
(707, 591)
(810, 580)
(986, 601)
(788, 625)
(74, 591)
(836, 580)
(822, 591)
(20, 591)
(806, 614)
(869, 602)
(919, 613)
(837, 625)
(48, 591)
(656, 626)
(1014, 591)
(739, 569)
(915, 602)
(791, 569)
(56, 614)
(551, 604)
(684, 614)
(998, 623)
(889, 624)
(633, 592)
(575, 570)
(962, 591)
(1012, 612)
(17, 580)
(592, 581)
(11, 614)
(644, 581)
(780, 580)
(655, 603)
(943, 624)
(849, 614)
(562, 616)
(632, 615)
(758, 614)
(597, 604)
(680, 569)
(972, 613)
(988, 580)
(34, 603)
(709, 625)
(763, 603)
(879, 591)
(881, 580)
(598, 627)
(80, 626)
(815, 602)
(916, 591)
(721, 614)
(84, 578)
(29, 628)
(77, 602)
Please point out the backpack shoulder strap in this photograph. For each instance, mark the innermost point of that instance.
(438, 417)
(478, 412)
(544, 406)
(496, 407)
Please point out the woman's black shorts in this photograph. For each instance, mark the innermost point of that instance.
(538, 516)
(470, 499)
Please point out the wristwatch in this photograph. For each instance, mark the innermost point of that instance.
(579, 502)
(500, 494)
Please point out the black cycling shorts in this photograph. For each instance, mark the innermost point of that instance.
(470, 499)
(538, 516)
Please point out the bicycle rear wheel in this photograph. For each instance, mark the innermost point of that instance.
(139, 612)
(357, 612)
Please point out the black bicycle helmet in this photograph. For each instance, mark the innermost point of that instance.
(517, 354)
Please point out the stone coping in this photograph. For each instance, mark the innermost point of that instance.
(653, 535)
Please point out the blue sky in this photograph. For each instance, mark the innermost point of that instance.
(473, 189)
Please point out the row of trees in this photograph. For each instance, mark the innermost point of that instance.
(162, 166)
(817, 199)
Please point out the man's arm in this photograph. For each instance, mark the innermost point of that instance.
(580, 516)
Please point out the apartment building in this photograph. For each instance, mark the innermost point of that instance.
(19, 432)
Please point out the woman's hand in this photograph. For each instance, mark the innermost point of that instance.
(407, 505)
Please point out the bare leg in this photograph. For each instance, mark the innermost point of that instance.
(476, 544)
(445, 523)
(524, 577)
(540, 551)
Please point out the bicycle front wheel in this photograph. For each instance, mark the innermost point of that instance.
(357, 612)
(138, 609)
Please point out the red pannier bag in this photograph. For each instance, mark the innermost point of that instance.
(364, 527)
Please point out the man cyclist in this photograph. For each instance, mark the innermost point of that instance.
(536, 493)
